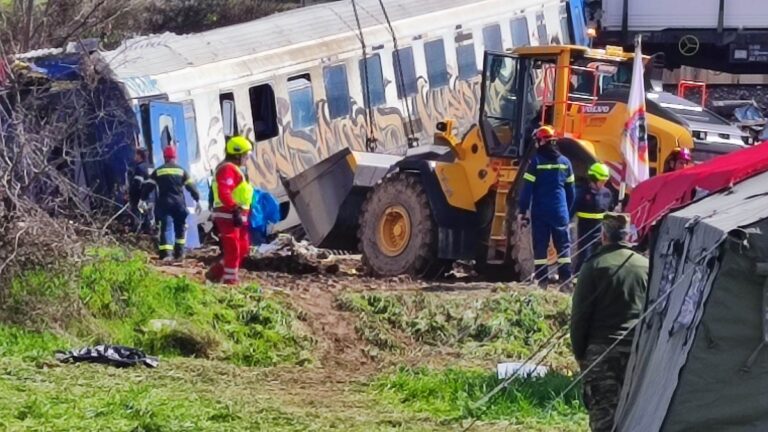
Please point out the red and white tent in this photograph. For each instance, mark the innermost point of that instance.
(654, 198)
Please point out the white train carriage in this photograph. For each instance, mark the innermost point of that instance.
(305, 83)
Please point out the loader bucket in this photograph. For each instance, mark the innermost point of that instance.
(328, 197)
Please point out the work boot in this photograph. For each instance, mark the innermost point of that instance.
(163, 255)
(215, 273)
(178, 252)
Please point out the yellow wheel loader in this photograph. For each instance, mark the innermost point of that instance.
(456, 198)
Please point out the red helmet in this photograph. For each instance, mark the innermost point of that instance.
(169, 152)
(544, 133)
(683, 154)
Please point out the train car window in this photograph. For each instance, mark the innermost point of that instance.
(407, 85)
(492, 38)
(437, 69)
(374, 81)
(465, 57)
(565, 30)
(541, 28)
(166, 130)
(520, 36)
(303, 113)
(337, 91)
(190, 127)
(228, 100)
(263, 112)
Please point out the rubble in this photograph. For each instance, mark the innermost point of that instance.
(287, 255)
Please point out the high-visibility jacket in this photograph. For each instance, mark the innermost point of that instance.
(171, 180)
(231, 189)
(548, 188)
(592, 203)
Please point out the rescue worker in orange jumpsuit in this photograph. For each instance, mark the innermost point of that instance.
(232, 196)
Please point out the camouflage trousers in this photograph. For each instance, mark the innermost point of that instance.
(601, 386)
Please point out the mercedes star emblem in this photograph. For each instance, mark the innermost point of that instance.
(688, 45)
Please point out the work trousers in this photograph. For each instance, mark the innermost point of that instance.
(601, 387)
(543, 232)
(176, 215)
(588, 231)
(235, 246)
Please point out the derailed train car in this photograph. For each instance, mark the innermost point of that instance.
(306, 83)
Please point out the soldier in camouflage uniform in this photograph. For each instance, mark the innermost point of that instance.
(608, 300)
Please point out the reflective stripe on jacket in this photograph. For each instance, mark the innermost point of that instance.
(548, 188)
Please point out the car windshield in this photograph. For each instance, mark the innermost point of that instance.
(696, 114)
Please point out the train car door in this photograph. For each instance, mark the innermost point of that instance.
(167, 126)
(577, 14)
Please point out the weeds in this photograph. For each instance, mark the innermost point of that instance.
(502, 325)
(117, 298)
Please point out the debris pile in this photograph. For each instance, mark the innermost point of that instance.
(287, 255)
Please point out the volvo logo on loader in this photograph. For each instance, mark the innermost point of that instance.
(599, 108)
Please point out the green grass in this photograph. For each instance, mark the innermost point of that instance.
(117, 298)
(180, 396)
(505, 325)
(450, 395)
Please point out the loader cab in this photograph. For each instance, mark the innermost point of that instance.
(508, 104)
(543, 85)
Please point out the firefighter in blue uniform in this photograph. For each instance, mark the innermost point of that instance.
(549, 192)
(593, 200)
(170, 180)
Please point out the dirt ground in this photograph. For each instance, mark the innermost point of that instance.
(334, 388)
(313, 293)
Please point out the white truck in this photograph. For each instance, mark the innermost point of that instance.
(725, 35)
(649, 15)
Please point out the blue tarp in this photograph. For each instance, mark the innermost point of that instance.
(265, 211)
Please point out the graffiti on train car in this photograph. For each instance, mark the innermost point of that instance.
(293, 151)
(460, 102)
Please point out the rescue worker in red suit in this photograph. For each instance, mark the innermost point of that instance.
(232, 196)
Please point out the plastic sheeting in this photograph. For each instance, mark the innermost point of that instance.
(113, 355)
(265, 212)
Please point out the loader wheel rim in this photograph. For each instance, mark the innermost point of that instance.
(394, 230)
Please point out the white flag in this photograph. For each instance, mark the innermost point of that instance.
(634, 142)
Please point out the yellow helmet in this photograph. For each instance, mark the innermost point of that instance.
(239, 145)
(600, 171)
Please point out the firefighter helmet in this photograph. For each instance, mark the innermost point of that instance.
(239, 145)
(599, 171)
(683, 154)
(544, 133)
(169, 152)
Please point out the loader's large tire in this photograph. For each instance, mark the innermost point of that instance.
(398, 234)
(519, 249)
